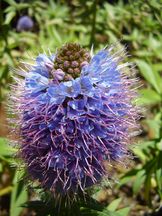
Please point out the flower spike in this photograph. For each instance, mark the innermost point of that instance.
(74, 112)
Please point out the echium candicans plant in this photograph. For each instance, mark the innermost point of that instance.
(74, 111)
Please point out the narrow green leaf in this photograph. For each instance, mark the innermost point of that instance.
(128, 176)
(140, 177)
(19, 196)
(154, 125)
(5, 149)
(11, 2)
(150, 75)
(5, 190)
(1, 167)
(114, 204)
(149, 96)
(158, 173)
(90, 212)
(123, 211)
(9, 17)
(143, 149)
(149, 169)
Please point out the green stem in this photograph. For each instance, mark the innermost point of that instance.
(161, 117)
(94, 10)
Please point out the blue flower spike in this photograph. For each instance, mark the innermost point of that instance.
(75, 112)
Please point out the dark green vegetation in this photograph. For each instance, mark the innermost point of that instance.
(138, 23)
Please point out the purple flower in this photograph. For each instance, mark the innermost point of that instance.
(25, 23)
(69, 128)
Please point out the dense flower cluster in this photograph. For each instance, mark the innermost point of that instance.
(68, 129)
(25, 23)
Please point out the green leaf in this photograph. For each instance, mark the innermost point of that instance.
(5, 190)
(159, 145)
(19, 195)
(114, 204)
(157, 67)
(143, 149)
(151, 76)
(123, 211)
(1, 167)
(158, 173)
(148, 97)
(128, 176)
(40, 208)
(5, 149)
(21, 6)
(9, 17)
(154, 125)
(90, 212)
(149, 167)
(140, 178)
(11, 2)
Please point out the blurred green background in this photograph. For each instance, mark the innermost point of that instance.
(137, 190)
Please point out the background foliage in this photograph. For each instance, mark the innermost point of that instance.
(138, 23)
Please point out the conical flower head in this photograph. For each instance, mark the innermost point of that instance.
(25, 23)
(70, 123)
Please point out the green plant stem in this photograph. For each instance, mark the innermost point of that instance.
(161, 117)
(94, 10)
